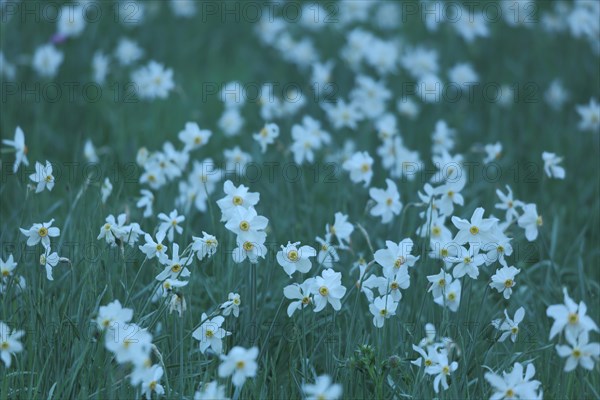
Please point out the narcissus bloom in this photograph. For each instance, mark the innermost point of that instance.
(530, 220)
(266, 136)
(171, 224)
(570, 317)
(240, 363)
(232, 305)
(20, 149)
(236, 197)
(9, 343)
(382, 308)
(193, 137)
(211, 390)
(589, 114)
(113, 314)
(204, 246)
(294, 258)
(251, 247)
(323, 389)
(341, 228)
(155, 249)
(514, 385)
(579, 351)
(509, 327)
(175, 267)
(246, 222)
(41, 232)
(396, 256)
(360, 166)
(7, 268)
(477, 230)
(504, 280)
(328, 288)
(49, 260)
(300, 293)
(551, 167)
(43, 177)
(387, 202)
(210, 334)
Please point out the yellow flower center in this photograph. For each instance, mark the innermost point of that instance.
(510, 393)
(126, 343)
(264, 132)
(514, 330)
(450, 193)
(383, 312)
(209, 333)
(446, 370)
(365, 167)
(176, 268)
(324, 247)
(500, 249)
(389, 202)
(43, 259)
(323, 291)
(293, 255)
(152, 385)
(436, 231)
(248, 246)
(305, 300)
(467, 260)
(4, 346)
(152, 178)
(451, 296)
(474, 230)
(510, 204)
(49, 178)
(394, 286)
(508, 283)
(236, 301)
(428, 363)
(43, 232)
(237, 200)
(197, 140)
(240, 364)
(444, 252)
(107, 227)
(539, 221)
(244, 225)
(576, 353)
(442, 282)
(399, 262)
(159, 247)
(573, 318)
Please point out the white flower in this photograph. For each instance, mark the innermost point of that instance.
(7, 268)
(570, 317)
(493, 151)
(211, 390)
(396, 256)
(293, 258)
(146, 201)
(193, 137)
(590, 116)
(442, 369)
(113, 229)
(239, 362)
(530, 221)
(504, 280)
(153, 81)
(20, 149)
(232, 305)
(245, 222)
(170, 224)
(509, 204)
(9, 343)
(46, 60)
(388, 202)
(551, 167)
(113, 314)
(266, 136)
(251, 247)
(467, 261)
(300, 293)
(71, 20)
(43, 177)
(41, 232)
(100, 64)
(128, 52)
(360, 166)
(150, 380)
(129, 343)
(231, 122)
(508, 326)
(210, 334)
(579, 351)
(328, 288)
(439, 283)
(323, 389)
(478, 230)
(152, 248)
(49, 260)
(327, 252)
(204, 246)
(236, 197)
(106, 190)
(382, 308)
(175, 267)
(450, 296)
(341, 229)
(514, 385)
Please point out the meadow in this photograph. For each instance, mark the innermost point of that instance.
(299, 200)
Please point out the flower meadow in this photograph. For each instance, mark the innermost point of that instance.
(300, 200)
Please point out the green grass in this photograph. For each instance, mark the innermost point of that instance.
(64, 357)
